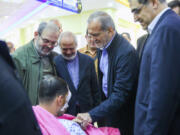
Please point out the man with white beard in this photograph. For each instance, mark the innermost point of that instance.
(78, 71)
(35, 59)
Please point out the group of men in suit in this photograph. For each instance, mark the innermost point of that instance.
(112, 97)
(157, 106)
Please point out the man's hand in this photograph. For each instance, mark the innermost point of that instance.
(85, 119)
(77, 120)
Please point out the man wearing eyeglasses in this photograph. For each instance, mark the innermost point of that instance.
(157, 109)
(35, 59)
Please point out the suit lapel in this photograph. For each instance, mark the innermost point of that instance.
(154, 29)
(142, 48)
(165, 14)
(81, 68)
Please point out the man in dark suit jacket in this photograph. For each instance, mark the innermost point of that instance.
(157, 110)
(78, 71)
(16, 115)
(118, 66)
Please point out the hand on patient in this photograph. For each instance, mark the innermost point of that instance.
(84, 119)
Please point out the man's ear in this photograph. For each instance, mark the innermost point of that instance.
(155, 3)
(111, 30)
(60, 100)
(86, 36)
(36, 34)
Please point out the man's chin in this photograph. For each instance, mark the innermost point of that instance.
(144, 27)
(45, 53)
(92, 45)
(100, 46)
(69, 58)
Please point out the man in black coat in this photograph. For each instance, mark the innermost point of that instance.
(157, 108)
(16, 115)
(118, 67)
(78, 71)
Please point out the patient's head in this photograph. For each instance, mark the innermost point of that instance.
(54, 95)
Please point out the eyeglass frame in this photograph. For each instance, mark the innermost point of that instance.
(47, 41)
(95, 35)
(137, 10)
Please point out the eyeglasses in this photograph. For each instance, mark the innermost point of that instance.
(137, 10)
(46, 41)
(95, 35)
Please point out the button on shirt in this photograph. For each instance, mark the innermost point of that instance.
(104, 63)
(73, 68)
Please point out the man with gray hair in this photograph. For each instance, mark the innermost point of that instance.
(35, 59)
(78, 71)
(117, 75)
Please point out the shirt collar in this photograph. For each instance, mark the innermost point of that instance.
(88, 50)
(155, 20)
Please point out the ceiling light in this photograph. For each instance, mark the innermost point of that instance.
(13, 1)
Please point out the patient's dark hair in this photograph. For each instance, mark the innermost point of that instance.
(50, 87)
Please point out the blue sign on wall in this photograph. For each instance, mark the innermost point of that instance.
(70, 5)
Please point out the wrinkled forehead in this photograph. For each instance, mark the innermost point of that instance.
(68, 42)
(50, 34)
(50, 31)
(94, 26)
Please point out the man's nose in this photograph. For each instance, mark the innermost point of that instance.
(93, 40)
(68, 51)
(50, 46)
